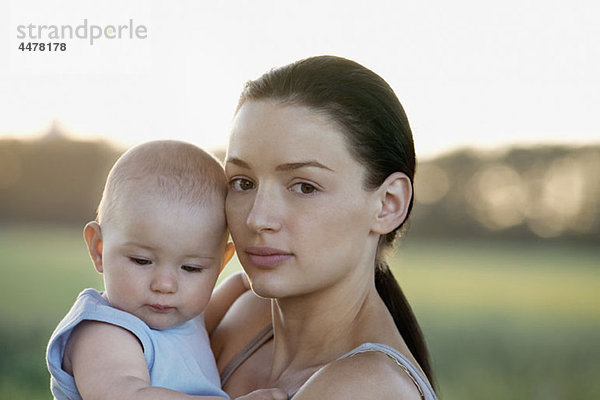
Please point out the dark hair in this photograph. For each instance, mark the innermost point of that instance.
(378, 136)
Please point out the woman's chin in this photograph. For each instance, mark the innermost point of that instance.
(269, 287)
(265, 291)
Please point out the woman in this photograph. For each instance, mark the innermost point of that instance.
(320, 166)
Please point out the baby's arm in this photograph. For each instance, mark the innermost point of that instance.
(108, 362)
(223, 297)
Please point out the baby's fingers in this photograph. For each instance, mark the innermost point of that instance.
(265, 394)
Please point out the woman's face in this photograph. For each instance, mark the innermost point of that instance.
(296, 207)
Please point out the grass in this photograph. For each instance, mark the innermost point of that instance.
(503, 321)
(507, 321)
(516, 280)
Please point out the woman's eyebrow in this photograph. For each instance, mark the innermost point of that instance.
(238, 162)
(282, 167)
(302, 164)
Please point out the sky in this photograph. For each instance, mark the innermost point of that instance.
(484, 74)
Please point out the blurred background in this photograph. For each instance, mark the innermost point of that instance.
(501, 262)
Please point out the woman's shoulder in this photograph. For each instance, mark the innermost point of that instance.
(369, 374)
(246, 317)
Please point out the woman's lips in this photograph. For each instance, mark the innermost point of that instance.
(267, 257)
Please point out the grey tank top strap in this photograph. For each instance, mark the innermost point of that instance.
(257, 341)
(419, 380)
(266, 334)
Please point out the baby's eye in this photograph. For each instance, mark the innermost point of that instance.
(140, 261)
(241, 184)
(191, 268)
(303, 188)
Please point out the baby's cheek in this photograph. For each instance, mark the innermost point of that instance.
(200, 295)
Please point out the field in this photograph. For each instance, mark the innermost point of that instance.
(503, 321)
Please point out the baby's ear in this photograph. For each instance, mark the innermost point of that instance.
(229, 252)
(92, 234)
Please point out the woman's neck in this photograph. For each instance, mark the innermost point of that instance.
(314, 329)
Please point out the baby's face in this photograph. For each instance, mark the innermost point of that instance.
(161, 259)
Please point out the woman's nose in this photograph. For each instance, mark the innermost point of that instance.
(263, 215)
(163, 281)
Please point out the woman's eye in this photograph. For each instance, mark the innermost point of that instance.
(191, 268)
(304, 188)
(241, 184)
(140, 261)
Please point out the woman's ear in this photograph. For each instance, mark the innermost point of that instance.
(394, 196)
(229, 252)
(92, 234)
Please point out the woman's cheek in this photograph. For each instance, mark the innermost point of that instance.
(234, 212)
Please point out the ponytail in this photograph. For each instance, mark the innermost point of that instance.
(404, 318)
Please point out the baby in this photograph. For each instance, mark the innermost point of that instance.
(160, 241)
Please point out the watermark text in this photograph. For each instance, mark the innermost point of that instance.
(89, 32)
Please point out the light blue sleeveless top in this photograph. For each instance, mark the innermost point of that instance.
(178, 358)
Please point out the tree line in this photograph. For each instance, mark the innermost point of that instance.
(533, 193)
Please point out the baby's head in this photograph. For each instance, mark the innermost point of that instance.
(160, 238)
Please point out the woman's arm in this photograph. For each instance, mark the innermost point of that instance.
(223, 297)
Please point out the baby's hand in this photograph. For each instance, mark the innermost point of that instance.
(265, 394)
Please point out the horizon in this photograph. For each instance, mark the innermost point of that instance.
(56, 129)
(431, 153)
